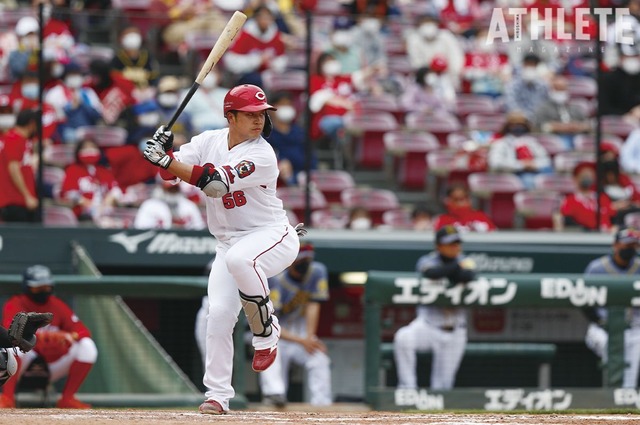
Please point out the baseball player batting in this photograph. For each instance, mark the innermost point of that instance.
(237, 170)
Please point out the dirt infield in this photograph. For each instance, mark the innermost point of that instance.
(173, 417)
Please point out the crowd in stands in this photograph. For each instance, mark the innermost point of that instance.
(497, 135)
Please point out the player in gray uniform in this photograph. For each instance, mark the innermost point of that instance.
(441, 330)
(622, 261)
(296, 294)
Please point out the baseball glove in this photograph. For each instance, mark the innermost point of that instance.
(23, 327)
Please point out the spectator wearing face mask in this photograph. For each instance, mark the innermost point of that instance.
(343, 46)
(77, 106)
(422, 96)
(115, 91)
(514, 152)
(206, 105)
(428, 40)
(288, 137)
(620, 90)
(579, 208)
(359, 219)
(461, 214)
(168, 208)
(26, 54)
(618, 187)
(168, 97)
(89, 187)
(369, 37)
(24, 95)
(258, 47)
(527, 90)
(134, 61)
(557, 116)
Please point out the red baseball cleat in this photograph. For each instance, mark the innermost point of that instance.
(262, 359)
(7, 402)
(71, 403)
(211, 407)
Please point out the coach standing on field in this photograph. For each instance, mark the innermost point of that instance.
(237, 169)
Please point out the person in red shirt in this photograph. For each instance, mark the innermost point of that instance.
(89, 186)
(18, 200)
(113, 89)
(259, 47)
(65, 345)
(579, 208)
(461, 214)
(24, 95)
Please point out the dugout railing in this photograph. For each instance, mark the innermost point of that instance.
(408, 290)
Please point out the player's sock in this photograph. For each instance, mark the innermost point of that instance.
(78, 371)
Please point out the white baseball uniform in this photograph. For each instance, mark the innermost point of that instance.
(255, 242)
(441, 330)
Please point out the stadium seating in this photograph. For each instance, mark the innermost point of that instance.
(366, 130)
(397, 219)
(330, 182)
(616, 125)
(409, 150)
(60, 155)
(292, 81)
(53, 176)
(536, 208)
(581, 86)
(487, 122)
(587, 143)
(561, 183)
(104, 136)
(330, 219)
(474, 104)
(384, 103)
(565, 162)
(376, 201)
(54, 215)
(440, 125)
(293, 198)
(552, 143)
(495, 192)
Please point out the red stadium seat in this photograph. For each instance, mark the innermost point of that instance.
(330, 182)
(54, 177)
(536, 208)
(397, 219)
(552, 143)
(410, 149)
(59, 216)
(474, 104)
(486, 122)
(617, 125)
(587, 143)
(565, 162)
(384, 103)
(293, 198)
(561, 183)
(104, 136)
(441, 125)
(292, 81)
(60, 155)
(330, 219)
(376, 201)
(119, 218)
(581, 86)
(496, 193)
(367, 129)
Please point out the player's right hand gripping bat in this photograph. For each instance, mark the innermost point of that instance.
(222, 44)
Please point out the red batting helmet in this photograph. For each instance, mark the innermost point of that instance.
(246, 98)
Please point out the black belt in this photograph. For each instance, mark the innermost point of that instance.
(450, 328)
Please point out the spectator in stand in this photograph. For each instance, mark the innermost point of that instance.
(527, 91)
(441, 330)
(422, 218)
(359, 219)
(557, 116)
(343, 46)
(421, 95)
(206, 105)
(459, 16)
(428, 40)
(186, 16)
(7, 116)
(485, 69)
(297, 294)
(143, 118)
(629, 153)
(459, 212)
(377, 8)
(135, 61)
(65, 345)
(579, 208)
(620, 189)
(620, 90)
(24, 95)
(168, 208)
(622, 261)
(369, 38)
(168, 98)
(26, 30)
(258, 47)
(287, 137)
(76, 106)
(18, 201)
(90, 188)
(115, 91)
(514, 152)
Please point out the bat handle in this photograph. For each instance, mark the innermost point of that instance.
(183, 104)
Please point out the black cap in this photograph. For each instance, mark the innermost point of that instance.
(448, 235)
(627, 235)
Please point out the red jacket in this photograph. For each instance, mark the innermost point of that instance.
(14, 147)
(81, 181)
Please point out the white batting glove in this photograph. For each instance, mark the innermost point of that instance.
(155, 154)
(164, 137)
